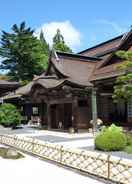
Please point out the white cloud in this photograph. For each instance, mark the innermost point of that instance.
(71, 35)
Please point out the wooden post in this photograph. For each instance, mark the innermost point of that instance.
(41, 112)
(74, 113)
(48, 116)
(108, 160)
(94, 109)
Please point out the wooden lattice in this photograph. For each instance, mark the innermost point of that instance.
(121, 171)
(102, 165)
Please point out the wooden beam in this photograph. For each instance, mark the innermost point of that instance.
(106, 94)
(60, 101)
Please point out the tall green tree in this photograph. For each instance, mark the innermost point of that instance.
(123, 85)
(45, 45)
(22, 53)
(59, 43)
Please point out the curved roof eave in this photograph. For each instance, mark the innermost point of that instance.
(59, 83)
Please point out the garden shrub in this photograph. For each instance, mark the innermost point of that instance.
(9, 115)
(128, 149)
(111, 139)
(129, 139)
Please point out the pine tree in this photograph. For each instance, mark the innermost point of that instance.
(22, 53)
(45, 45)
(59, 43)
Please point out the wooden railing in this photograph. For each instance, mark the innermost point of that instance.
(101, 165)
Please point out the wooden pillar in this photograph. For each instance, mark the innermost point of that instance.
(57, 111)
(74, 113)
(42, 112)
(94, 109)
(48, 116)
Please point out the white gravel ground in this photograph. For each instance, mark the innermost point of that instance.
(31, 170)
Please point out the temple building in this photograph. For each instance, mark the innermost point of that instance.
(77, 88)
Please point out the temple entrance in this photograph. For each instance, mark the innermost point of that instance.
(61, 116)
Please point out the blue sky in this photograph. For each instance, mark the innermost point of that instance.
(85, 22)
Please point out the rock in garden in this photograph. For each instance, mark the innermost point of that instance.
(12, 153)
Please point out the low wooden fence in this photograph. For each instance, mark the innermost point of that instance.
(102, 165)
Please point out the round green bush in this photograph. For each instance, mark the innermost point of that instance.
(111, 139)
(9, 115)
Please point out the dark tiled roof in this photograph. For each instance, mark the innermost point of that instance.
(56, 83)
(49, 83)
(107, 68)
(6, 86)
(76, 56)
(109, 71)
(125, 44)
(77, 71)
(102, 48)
(24, 90)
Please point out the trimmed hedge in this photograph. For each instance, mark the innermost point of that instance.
(111, 139)
(9, 115)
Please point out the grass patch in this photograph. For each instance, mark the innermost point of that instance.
(5, 153)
